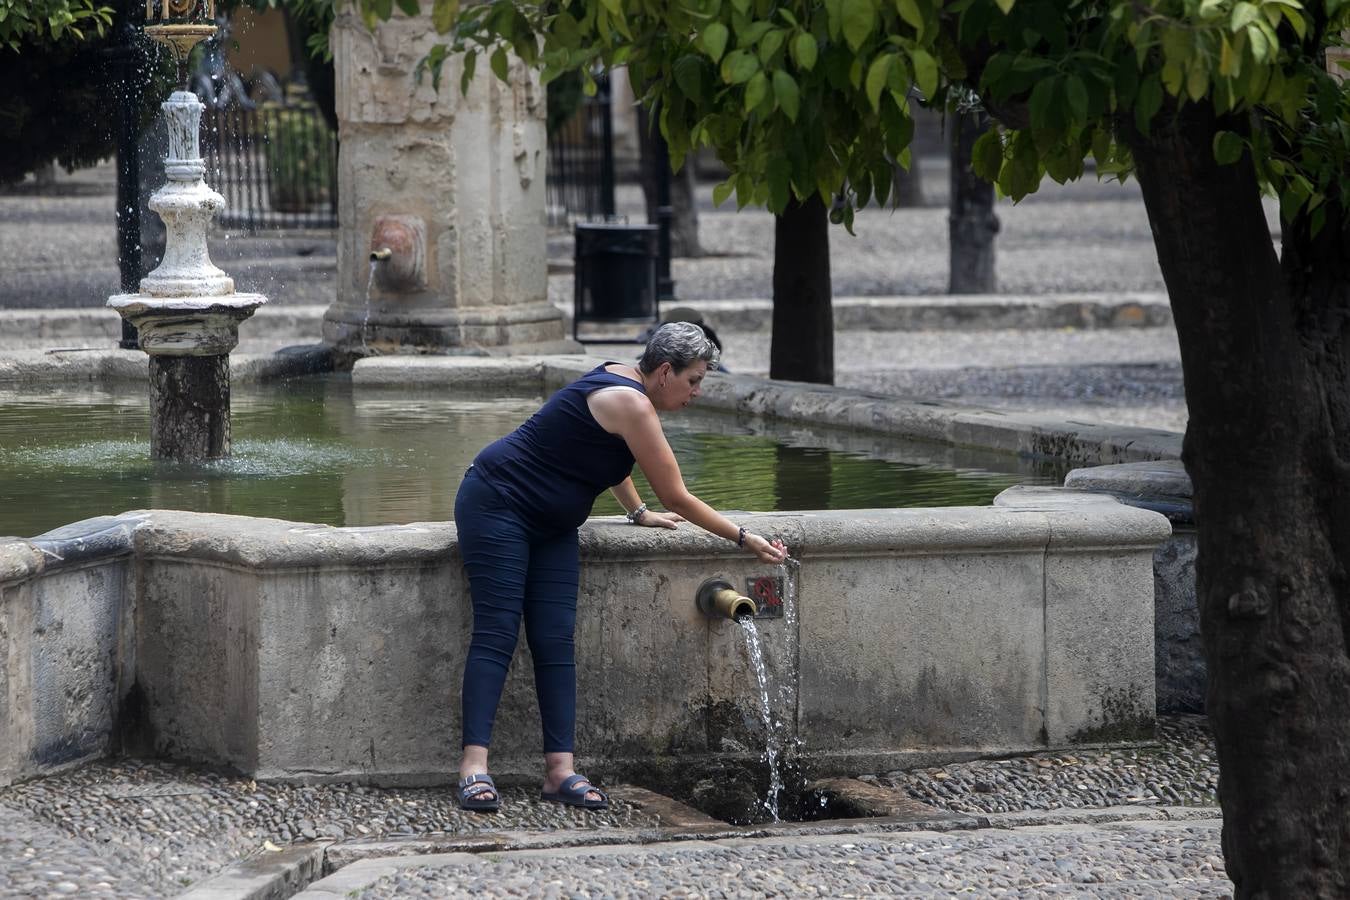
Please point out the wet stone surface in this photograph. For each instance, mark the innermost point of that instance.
(1136, 860)
(151, 829)
(1182, 770)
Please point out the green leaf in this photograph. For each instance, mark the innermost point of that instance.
(786, 92)
(435, 61)
(409, 7)
(986, 157)
(876, 79)
(804, 50)
(1257, 38)
(689, 76)
(714, 39)
(499, 63)
(443, 15)
(756, 90)
(1044, 113)
(739, 66)
(722, 191)
(925, 71)
(1243, 15)
(858, 17)
(1227, 147)
(1176, 45)
(1078, 98)
(771, 44)
(910, 12)
(1005, 5)
(1197, 80)
(470, 60)
(1147, 102)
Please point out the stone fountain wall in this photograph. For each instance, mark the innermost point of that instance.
(300, 651)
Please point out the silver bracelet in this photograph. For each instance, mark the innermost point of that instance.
(636, 514)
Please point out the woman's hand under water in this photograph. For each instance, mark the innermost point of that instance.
(772, 552)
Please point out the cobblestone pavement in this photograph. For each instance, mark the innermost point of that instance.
(131, 828)
(1148, 859)
(151, 828)
(1181, 769)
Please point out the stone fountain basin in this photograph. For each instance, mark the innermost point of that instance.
(285, 650)
(288, 650)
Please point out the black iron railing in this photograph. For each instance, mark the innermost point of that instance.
(580, 176)
(275, 165)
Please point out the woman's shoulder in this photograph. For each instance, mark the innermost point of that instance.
(601, 375)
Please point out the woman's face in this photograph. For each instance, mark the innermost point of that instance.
(675, 389)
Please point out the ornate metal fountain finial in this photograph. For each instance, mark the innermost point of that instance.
(180, 25)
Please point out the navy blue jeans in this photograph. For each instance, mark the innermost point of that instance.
(516, 570)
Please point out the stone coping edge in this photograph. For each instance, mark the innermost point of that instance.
(27, 327)
(268, 876)
(261, 543)
(66, 367)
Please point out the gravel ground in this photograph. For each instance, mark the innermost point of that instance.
(1182, 770)
(161, 826)
(1124, 860)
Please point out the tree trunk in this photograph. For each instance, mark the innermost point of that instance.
(1264, 352)
(683, 199)
(971, 222)
(802, 347)
(907, 184)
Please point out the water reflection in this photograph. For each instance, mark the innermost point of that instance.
(315, 450)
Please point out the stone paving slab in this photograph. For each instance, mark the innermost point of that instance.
(1122, 859)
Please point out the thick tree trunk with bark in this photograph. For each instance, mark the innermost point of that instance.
(1264, 350)
(971, 222)
(802, 347)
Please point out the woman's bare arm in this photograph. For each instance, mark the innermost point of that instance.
(630, 415)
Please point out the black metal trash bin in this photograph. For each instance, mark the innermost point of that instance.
(615, 274)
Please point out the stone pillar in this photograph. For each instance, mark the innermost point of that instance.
(452, 186)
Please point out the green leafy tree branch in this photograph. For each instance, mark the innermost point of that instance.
(51, 20)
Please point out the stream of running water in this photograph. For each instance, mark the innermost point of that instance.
(773, 726)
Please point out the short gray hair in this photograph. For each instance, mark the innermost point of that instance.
(679, 343)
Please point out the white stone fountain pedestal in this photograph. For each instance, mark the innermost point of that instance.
(187, 313)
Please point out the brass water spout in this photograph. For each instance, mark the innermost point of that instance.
(718, 599)
(381, 255)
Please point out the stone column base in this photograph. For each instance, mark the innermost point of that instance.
(477, 331)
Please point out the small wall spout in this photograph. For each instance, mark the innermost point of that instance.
(381, 255)
(717, 599)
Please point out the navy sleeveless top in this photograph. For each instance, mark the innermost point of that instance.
(553, 466)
